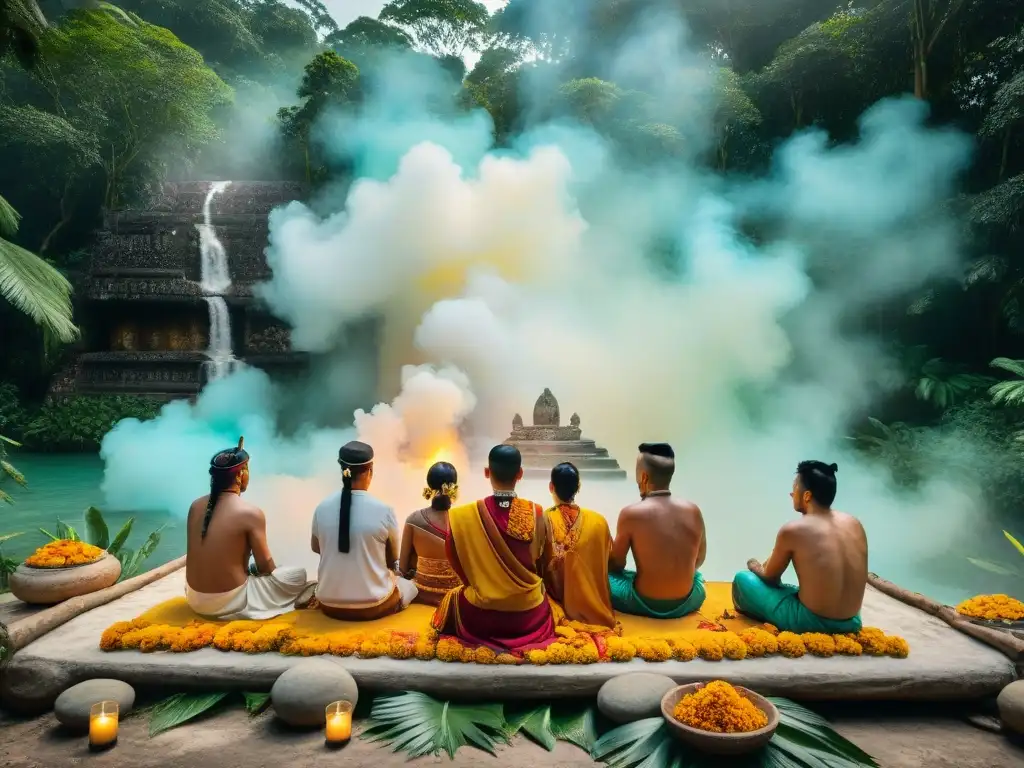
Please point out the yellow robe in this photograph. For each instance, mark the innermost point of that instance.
(494, 579)
(575, 566)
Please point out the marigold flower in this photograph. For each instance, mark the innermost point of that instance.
(992, 608)
(63, 553)
(872, 641)
(620, 649)
(898, 647)
(506, 658)
(759, 642)
(708, 647)
(790, 645)
(819, 644)
(771, 629)
(682, 649)
(485, 655)
(538, 657)
(719, 708)
(847, 646)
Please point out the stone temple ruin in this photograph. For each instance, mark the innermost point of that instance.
(156, 323)
(547, 443)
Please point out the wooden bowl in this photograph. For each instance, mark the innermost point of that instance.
(720, 743)
(48, 586)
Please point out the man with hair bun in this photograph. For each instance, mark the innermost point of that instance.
(829, 551)
(666, 536)
(223, 531)
(493, 545)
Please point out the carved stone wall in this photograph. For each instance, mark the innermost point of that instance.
(147, 257)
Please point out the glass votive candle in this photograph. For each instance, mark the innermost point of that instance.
(103, 718)
(339, 723)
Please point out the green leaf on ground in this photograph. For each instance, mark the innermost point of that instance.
(419, 725)
(256, 702)
(578, 727)
(180, 708)
(535, 723)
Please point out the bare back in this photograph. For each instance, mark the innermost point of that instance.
(830, 555)
(666, 535)
(418, 542)
(220, 561)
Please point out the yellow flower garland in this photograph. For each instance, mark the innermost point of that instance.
(572, 646)
(61, 554)
(992, 608)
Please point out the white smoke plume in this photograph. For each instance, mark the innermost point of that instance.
(531, 268)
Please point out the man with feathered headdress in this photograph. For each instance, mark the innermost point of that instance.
(224, 530)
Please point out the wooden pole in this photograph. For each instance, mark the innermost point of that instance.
(1004, 642)
(24, 631)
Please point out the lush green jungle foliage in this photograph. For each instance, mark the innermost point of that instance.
(99, 104)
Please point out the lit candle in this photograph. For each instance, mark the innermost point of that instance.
(103, 724)
(339, 723)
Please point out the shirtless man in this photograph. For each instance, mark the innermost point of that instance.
(667, 537)
(218, 582)
(829, 551)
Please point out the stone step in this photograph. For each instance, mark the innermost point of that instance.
(557, 446)
(587, 474)
(582, 462)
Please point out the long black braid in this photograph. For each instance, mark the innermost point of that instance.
(356, 459)
(224, 469)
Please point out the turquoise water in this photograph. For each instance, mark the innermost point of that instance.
(62, 487)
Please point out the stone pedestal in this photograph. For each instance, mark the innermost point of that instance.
(547, 443)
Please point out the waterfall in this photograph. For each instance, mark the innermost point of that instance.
(215, 279)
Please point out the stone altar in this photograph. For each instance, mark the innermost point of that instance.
(547, 443)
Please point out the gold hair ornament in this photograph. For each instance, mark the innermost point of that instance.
(346, 472)
(451, 490)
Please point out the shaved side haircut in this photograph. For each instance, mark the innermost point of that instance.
(659, 462)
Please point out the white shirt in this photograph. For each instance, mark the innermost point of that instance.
(361, 576)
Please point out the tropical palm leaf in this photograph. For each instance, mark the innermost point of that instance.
(1008, 392)
(1017, 544)
(941, 384)
(419, 725)
(579, 727)
(535, 723)
(36, 288)
(12, 472)
(803, 739)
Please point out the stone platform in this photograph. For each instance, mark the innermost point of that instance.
(944, 664)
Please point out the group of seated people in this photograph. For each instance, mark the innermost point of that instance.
(502, 572)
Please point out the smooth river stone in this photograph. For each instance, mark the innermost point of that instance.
(633, 696)
(1011, 706)
(72, 707)
(301, 694)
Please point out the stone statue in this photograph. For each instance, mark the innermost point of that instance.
(574, 421)
(517, 421)
(545, 412)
